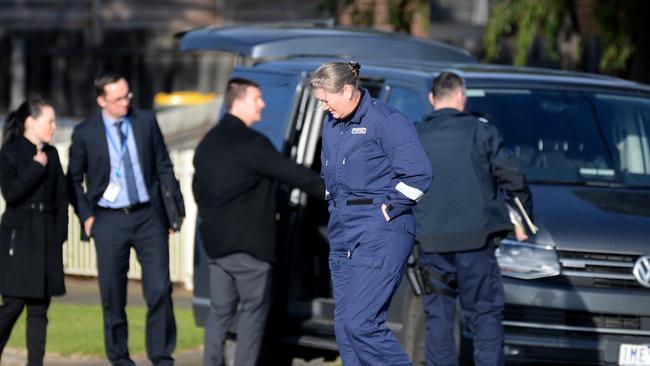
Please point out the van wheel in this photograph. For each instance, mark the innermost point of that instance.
(414, 336)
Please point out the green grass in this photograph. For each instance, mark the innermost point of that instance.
(77, 329)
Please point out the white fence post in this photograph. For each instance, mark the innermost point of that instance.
(187, 232)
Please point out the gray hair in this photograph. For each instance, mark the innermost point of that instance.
(333, 76)
(446, 83)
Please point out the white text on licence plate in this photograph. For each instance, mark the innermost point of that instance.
(634, 354)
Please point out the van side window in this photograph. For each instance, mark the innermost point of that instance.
(626, 125)
(279, 93)
(407, 101)
(275, 117)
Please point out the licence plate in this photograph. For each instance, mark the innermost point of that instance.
(634, 354)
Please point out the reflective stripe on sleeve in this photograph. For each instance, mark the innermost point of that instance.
(410, 192)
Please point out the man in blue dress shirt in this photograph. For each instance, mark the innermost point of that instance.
(121, 155)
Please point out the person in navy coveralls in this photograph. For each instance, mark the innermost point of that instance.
(375, 171)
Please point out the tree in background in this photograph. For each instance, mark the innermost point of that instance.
(619, 20)
(403, 15)
(525, 22)
(407, 16)
(572, 33)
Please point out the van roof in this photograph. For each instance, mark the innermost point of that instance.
(473, 72)
(281, 40)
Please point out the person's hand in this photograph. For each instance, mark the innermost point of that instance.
(88, 225)
(40, 157)
(520, 234)
(384, 210)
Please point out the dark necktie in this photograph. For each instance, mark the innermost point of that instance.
(131, 188)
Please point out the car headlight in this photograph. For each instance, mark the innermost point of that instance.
(527, 260)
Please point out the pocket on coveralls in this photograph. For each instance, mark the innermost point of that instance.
(367, 261)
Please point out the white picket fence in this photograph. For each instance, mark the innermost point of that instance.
(79, 258)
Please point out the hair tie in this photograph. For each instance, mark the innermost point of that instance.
(355, 67)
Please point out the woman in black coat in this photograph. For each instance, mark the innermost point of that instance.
(34, 224)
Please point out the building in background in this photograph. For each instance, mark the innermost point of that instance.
(54, 48)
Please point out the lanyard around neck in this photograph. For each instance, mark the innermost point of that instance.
(119, 152)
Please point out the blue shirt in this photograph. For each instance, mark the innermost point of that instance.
(115, 159)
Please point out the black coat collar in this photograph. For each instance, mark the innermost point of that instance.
(444, 112)
(232, 121)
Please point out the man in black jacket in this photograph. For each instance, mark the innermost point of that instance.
(460, 220)
(235, 167)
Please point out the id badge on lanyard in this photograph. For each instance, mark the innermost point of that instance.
(112, 191)
(114, 187)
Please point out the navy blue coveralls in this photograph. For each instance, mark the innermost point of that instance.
(458, 223)
(369, 159)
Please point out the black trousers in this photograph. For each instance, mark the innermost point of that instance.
(475, 277)
(36, 325)
(115, 232)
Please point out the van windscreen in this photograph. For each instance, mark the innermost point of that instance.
(571, 137)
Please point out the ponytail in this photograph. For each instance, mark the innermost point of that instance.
(15, 122)
(334, 76)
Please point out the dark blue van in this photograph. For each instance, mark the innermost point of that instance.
(578, 292)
